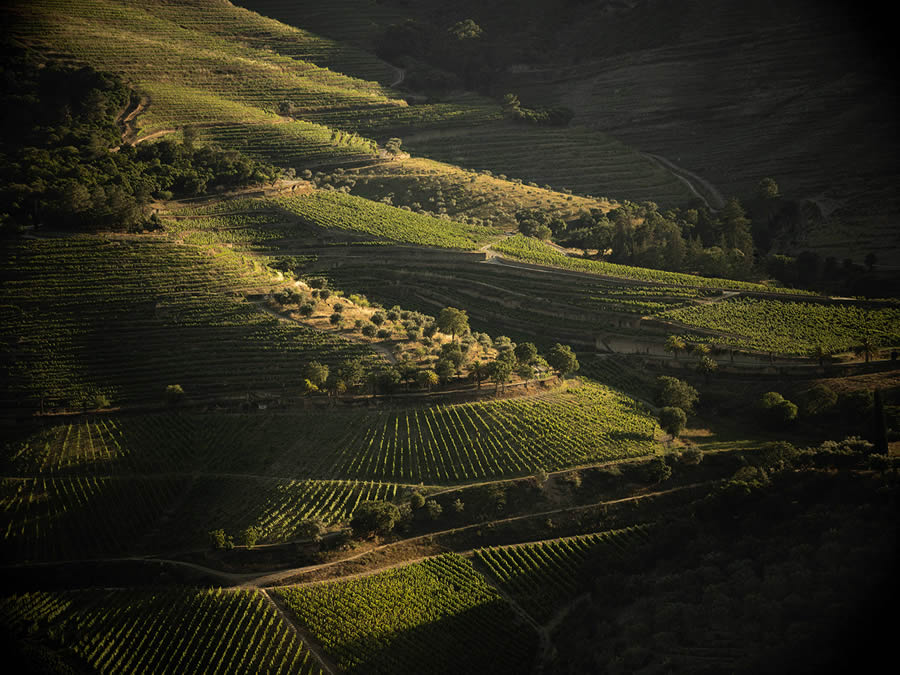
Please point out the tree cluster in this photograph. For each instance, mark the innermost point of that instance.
(56, 163)
(554, 116)
(690, 240)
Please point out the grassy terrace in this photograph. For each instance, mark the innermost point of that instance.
(270, 224)
(433, 185)
(87, 316)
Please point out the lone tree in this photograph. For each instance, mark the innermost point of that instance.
(478, 371)
(819, 398)
(351, 371)
(453, 322)
(501, 370)
(706, 366)
(777, 410)
(867, 347)
(174, 395)
(675, 345)
(427, 379)
(250, 536)
(562, 359)
(374, 517)
(675, 393)
(525, 352)
(672, 420)
(767, 189)
(317, 373)
(417, 500)
(657, 471)
(311, 528)
(219, 540)
(392, 146)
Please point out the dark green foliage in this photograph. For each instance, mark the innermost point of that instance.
(793, 577)
(777, 411)
(672, 420)
(374, 517)
(676, 393)
(250, 536)
(656, 470)
(434, 509)
(856, 406)
(706, 366)
(220, 541)
(777, 455)
(311, 528)
(453, 321)
(56, 163)
(317, 373)
(525, 352)
(819, 399)
(562, 359)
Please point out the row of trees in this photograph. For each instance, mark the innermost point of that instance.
(557, 116)
(354, 374)
(690, 240)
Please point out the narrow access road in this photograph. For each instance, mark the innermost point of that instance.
(713, 198)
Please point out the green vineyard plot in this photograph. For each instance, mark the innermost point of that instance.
(793, 327)
(165, 631)
(531, 250)
(414, 619)
(541, 577)
(335, 210)
(574, 425)
(91, 316)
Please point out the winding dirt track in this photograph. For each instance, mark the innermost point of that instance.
(712, 197)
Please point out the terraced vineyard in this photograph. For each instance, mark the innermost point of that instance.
(573, 425)
(430, 184)
(164, 631)
(793, 327)
(614, 371)
(86, 517)
(93, 316)
(74, 490)
(594, 163)
(254, 473)
(208, 63)
(338, 211)
(512, 437)
(531, 250)
(438, 616)
(81, 517)
(542, 306)
(541, 577)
